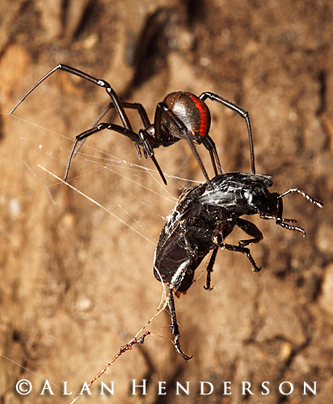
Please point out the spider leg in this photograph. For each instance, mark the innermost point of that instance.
(144, 118)
(210, 146)
(115, 103)
(106, 110)
(161, 107)
(141, 110)
(148, 150)
(99, 82)
(117, 128)
(130, 105)
(174, 325)
(139, 139)
(102, 83)
(241, 112)
(139, 107)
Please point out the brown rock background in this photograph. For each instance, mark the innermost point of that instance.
(76, 278)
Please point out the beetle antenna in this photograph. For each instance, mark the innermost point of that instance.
(306, 196)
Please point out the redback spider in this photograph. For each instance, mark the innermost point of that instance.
(181, 115)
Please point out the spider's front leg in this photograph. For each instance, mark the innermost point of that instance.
(99, 82)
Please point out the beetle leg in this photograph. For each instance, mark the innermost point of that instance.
(174, 326)
(209, 269)
(250, 229)
(243, 250)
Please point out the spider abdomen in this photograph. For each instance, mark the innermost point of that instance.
(191, 111)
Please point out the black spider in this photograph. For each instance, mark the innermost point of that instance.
(181, 115)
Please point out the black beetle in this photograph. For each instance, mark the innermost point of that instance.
(203, 218)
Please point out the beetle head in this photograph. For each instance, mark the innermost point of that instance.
(260, 200)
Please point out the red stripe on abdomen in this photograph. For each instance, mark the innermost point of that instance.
(203, 111)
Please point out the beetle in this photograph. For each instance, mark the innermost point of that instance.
(181, 115)
(201, 221)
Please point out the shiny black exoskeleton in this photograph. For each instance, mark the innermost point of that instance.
(201, 222)
(181, 115)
